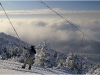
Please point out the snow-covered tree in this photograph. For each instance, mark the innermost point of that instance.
(60, 60)
(10, 46)
(74, 63)
(43, 55)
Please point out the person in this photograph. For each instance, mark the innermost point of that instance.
(30, 59)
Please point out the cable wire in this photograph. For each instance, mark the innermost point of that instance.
(68, 22)
(82, 42)
(10, 21)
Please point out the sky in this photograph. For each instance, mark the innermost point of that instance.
(67, 5)
(34, 22)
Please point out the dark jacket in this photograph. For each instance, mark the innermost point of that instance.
(32, 51)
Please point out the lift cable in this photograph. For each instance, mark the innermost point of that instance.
(68, 22)
(10, 21)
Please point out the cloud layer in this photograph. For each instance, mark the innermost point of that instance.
(61, 35)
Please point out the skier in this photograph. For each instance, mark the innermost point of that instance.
(30, 59)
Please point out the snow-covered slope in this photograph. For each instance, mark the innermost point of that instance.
(11, 49)
(11, 67)
(47, 60)
(10, 46)
(10, 40)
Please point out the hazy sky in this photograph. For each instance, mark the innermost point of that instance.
(34, 23)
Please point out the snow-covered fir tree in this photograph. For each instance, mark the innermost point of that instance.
(60, 60)
(43, 58)
(74, 63)
(10, 46)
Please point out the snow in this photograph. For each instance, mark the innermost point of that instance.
(47, 60)
(11, 67)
